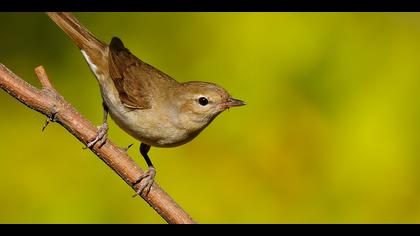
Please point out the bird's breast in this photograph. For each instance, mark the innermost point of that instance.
(157, 126)
(151, 127)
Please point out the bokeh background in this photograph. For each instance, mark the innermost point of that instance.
(330, 132)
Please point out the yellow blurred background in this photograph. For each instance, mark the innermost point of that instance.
(329, 134)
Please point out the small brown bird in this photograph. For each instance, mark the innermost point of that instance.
(145, 102)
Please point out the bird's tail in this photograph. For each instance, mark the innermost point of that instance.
(78, 33)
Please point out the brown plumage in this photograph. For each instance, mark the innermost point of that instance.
(134, 79)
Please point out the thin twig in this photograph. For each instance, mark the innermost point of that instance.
(48, 102)
(43, 78)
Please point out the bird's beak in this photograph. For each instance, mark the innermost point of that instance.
(232, 102)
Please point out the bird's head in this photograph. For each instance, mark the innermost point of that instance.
(200, 102)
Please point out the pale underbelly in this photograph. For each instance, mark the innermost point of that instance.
(155, 132)
(149, 126)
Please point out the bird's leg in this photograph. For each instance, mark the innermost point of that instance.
(103, 130)
(149, 175)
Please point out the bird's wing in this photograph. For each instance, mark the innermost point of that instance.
(136, 81)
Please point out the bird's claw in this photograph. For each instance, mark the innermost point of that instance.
(149, 178)
(100, 137)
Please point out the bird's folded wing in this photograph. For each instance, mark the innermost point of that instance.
(136, 82)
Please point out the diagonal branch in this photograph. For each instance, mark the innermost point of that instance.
(48, 102)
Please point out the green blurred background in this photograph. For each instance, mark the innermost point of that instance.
(329, 134)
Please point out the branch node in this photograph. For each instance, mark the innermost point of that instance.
(43, 78)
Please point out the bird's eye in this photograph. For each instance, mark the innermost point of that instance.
(203, 101)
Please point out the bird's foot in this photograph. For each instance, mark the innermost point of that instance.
(100, 137)
(149, 178)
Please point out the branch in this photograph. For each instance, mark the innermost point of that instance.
(48, 102)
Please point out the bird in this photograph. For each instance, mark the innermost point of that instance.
(146, 103)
